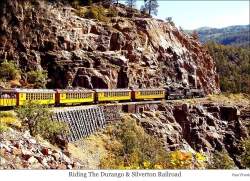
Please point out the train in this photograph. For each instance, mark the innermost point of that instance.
(59, 97)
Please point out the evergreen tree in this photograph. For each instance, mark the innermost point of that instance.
(131, 3)
(114, 1)
(169, 19)
(150, 6)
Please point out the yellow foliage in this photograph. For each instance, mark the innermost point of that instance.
(146, 165)
(158, 166)
(14, 122)
(181, 160)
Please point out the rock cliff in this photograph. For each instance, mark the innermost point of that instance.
(126, 51)
(202, 127)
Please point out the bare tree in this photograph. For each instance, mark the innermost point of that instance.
(195, 35)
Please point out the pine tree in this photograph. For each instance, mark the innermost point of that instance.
(150, 6)
(131, 3)
(114, 1)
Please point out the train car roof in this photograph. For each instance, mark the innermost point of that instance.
(153, 89)
(16, 90)
(112, 90)
(74, 91)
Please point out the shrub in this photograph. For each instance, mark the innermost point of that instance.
(157, 113)
(7, 114)
(38, 77)
(245, 155)
(3, 126)
(172, 23)
(37, 119)
(221, 160)
(96, 12)
(112, 12)
(9, 71)
(80, 12)
(181, 160)
(91, 13)
(132, 147)
(75, 3)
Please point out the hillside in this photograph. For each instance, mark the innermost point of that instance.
(233, 35)
(206, 125)
(116, 49)
(233, 66)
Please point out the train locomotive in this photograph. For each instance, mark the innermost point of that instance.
(17, 96)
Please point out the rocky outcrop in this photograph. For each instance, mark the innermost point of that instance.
(21, 151)
(124, 52)
(203, 127)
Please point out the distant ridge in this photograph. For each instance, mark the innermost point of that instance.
(236, 35)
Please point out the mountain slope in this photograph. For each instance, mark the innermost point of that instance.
(124, 51)
(232, 35)
(233, 66)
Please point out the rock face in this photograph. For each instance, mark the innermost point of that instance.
(124, 52)
(203, 127)
(21, 151)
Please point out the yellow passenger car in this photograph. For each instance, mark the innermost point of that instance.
(108, 95)
(70, 96)
(140, 94)
(41, 96)
(8, 97)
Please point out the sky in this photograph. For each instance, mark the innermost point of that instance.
(195, 14)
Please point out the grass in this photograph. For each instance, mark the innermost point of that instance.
(9, 119)
(91, 149)
(3, 126)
